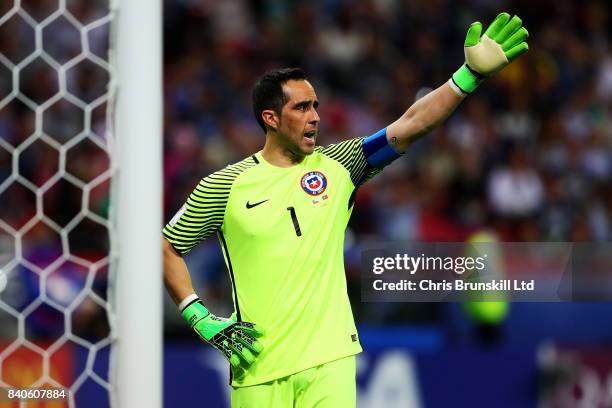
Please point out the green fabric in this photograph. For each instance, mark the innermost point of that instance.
(465, 80)
(510, 28)
(330, 385)
(497, 25)
(194, 313)
(507, 32)
(488, 312)
(473, 34)
(236, 340)
(519, 36)
(516, 51)
(293, 286)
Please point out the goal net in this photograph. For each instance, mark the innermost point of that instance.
(56, 168)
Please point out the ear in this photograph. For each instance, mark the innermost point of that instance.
(270, 118)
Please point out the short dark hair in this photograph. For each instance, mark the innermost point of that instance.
(268, 91)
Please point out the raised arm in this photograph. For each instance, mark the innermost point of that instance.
(502, 43)
(423, 116)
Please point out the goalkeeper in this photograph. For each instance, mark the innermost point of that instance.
(280, 216)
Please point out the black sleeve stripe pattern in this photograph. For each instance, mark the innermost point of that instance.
(203, 213)
(350, 154)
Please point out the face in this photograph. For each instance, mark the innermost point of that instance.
(298, 123)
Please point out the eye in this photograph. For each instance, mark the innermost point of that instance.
(303, 106)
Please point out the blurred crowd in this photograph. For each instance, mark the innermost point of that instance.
(528, 155)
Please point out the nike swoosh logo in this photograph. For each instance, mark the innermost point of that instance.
(249, 205)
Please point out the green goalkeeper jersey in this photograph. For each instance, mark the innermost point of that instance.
(282, 235)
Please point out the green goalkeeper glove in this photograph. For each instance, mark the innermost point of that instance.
(236, 340)
(502, 43)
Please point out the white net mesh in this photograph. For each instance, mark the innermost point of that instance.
(55, 172)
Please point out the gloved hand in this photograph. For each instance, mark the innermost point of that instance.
(502, 43)
(236, 340)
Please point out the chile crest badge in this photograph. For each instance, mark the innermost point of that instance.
(314, 183)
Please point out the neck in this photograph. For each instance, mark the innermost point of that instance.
(278, 155)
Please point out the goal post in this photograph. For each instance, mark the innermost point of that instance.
(138, 42)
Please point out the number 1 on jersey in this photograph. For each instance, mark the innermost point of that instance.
(296, 224)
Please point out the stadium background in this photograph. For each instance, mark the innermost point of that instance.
(528, 155)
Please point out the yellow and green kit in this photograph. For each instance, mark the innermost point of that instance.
(282, 235)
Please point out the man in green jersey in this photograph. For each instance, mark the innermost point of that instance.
(280, 216)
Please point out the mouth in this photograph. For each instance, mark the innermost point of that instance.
(311, 135)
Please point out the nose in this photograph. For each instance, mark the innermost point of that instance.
(314, 118)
